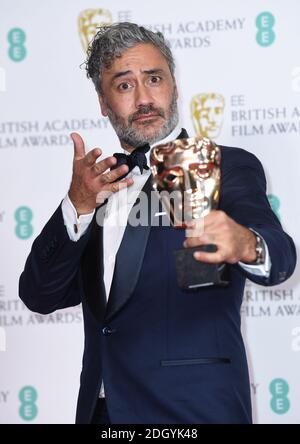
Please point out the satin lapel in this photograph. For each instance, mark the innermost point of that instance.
(183, 134)
(130, 255)
(129, 260)
(92, 269)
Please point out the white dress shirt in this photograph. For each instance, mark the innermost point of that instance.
(118, 209)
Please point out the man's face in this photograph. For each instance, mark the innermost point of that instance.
(139, 96)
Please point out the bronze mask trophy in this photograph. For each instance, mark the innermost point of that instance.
(186, 175)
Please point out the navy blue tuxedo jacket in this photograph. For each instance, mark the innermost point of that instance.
(165, 356)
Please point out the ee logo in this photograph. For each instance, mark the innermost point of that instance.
(16, 39)
(274, 203)
(265, 35)
(28, 409)
(279, 389)
(23, 217)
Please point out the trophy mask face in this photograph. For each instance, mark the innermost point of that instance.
(188, 173)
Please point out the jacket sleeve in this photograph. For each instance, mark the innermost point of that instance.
(243, 198)
(51, 278)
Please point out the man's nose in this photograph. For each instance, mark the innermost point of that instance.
(143, 96)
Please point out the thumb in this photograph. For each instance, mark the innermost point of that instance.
(79, 150)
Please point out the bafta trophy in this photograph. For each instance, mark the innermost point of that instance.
(186, 175)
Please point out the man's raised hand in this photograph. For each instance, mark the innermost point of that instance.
(92, 181)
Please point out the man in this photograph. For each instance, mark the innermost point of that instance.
(154, 353)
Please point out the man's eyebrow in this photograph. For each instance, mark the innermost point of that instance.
(154, 71)
(120, 74)
(145, 71)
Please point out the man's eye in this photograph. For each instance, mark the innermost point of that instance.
(155, 79)
(124, 86)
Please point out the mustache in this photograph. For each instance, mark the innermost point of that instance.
(144, 110)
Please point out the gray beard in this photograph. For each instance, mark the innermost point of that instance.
(134, 138)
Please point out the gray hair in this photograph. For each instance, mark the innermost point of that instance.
(111, 41)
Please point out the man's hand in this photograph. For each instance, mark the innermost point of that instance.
(234, 242)
(91, 182)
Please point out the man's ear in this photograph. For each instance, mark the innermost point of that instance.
(102, 105)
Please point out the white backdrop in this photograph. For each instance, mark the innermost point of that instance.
(246, 52)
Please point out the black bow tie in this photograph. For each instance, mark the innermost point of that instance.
(136, 158)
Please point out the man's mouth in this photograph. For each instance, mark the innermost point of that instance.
(143, 117)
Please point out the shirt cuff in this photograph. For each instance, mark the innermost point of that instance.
(75, 226)
(261, 269)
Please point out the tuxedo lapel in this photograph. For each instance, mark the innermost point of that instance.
(129, 259)
(183, 134)
(92, 268)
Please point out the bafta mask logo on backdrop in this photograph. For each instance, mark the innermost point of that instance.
(28, 409)
(88, 22)
(16, 39)
(207, 110)
(275, 204)
(265, 35)
(279, 390)
(23, 217)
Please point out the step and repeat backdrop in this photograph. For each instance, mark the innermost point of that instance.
(238, 71)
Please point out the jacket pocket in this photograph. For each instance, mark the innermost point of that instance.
(176, 362)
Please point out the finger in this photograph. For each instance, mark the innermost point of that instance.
(100, 167)
(113, 188)
(79, 149)
(215, 219)
(212, 219)
(209, 258)
(92, 156)
(204, 239)
(120, 185)
(114, 175)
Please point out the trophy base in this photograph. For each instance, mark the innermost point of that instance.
(192, 274)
